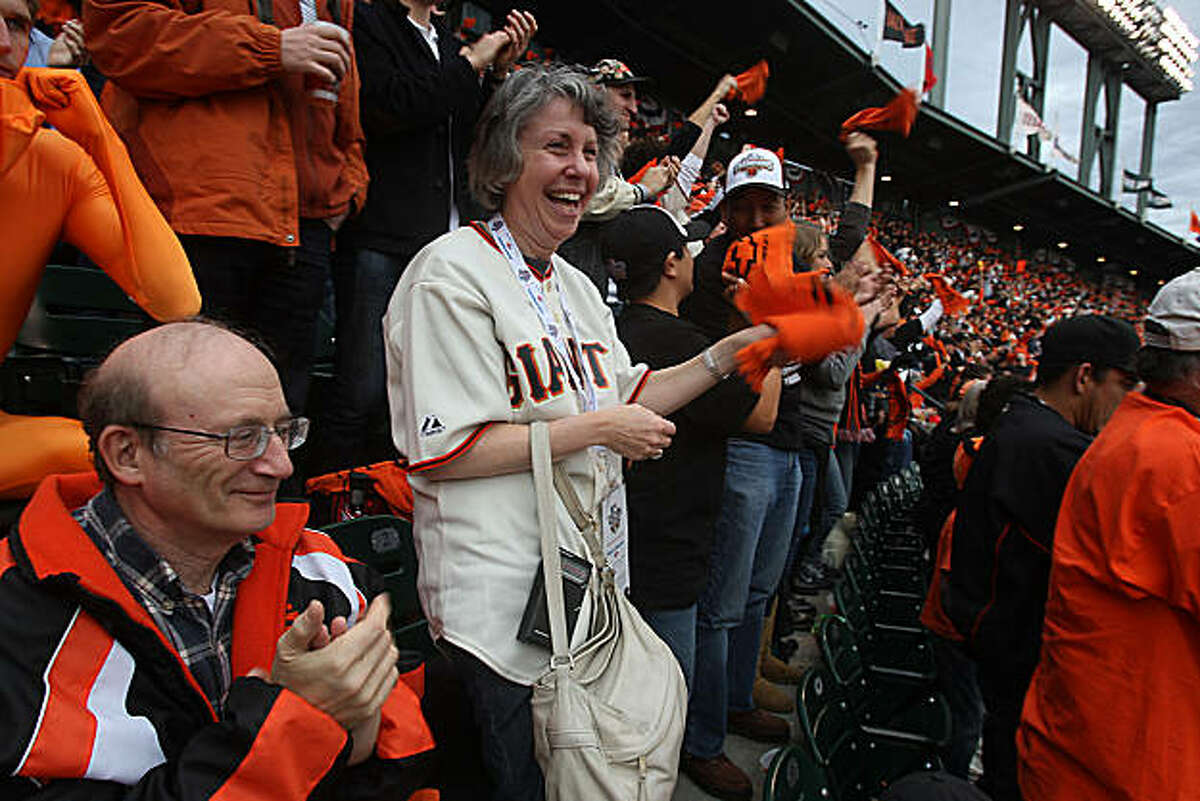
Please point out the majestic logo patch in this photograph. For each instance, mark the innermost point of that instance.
(431, 425)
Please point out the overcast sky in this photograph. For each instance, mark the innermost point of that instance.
(973, 90)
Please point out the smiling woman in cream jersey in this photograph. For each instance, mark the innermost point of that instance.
(488, 331)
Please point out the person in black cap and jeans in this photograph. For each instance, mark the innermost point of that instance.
(1004, 529)
(673, 501)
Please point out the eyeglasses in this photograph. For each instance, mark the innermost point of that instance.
(248, 442)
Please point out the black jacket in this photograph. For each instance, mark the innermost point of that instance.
(1004, 535)
(414, 109)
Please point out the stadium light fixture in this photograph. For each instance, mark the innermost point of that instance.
(1018, 228)
(885, 178)
(751, 112)
(1063, 245)
(1159, 35)
(1133, 272)
(1161, 282)
(953, 204)
(1101, 259)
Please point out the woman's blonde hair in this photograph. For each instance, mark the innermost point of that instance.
(809, 241)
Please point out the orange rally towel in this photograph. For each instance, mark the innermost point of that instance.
(751, 84)
(884, 257)
(812, 319)
(898, 116)
(640, 174)
(952, 302)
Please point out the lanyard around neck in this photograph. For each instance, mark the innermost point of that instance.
(572, 357)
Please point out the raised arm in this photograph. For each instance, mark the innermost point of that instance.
(724, 86)
(113, 219)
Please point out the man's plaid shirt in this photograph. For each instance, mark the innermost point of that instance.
(202, 638)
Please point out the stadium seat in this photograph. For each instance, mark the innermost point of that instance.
(863, 603)
(76, 317)
(385, 543)
(881, 688)
(858, 761)
(793, 776)
(79, 311)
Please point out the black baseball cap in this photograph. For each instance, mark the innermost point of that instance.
(642, 237)
(1097, 339)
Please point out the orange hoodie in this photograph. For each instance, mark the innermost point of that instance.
(74, 183)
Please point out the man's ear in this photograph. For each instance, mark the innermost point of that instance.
(669, 269)
(1082, 376)
(123, 452)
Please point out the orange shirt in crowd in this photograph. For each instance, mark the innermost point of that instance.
(1113, 713)
(73, 183)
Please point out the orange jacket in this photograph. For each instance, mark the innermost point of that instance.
(1113, 712)
(225, 141)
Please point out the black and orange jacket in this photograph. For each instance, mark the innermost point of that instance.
(1004, 534)
(899, 407)
(98, 705)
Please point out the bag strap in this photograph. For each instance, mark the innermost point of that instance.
(586, 523)
(543, 484)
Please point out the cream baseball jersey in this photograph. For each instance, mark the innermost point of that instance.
(466, 349)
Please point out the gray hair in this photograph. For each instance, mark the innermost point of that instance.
(496, 162)
(115, 397)
(1162, 368)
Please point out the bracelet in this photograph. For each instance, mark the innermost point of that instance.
(710, 364)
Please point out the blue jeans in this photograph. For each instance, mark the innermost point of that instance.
(677, 628)
(833, 503)
(504, 720)
(847, 458)
(758, 509)
(897, 455)
(363, 282)
(801, 528)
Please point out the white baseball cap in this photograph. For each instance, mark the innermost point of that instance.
(754, 167)
(1173, 320)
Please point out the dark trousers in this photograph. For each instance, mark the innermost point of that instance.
(1003, 695)
(958, 680)
(272, 292)
(356, 425)
(505, 722)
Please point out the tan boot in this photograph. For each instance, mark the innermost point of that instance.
(771, 667)
(771, 697)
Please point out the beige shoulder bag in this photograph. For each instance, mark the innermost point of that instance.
(608, 718)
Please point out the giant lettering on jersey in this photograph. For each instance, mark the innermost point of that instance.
(545, 374)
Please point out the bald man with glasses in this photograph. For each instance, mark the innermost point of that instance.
(164, 623)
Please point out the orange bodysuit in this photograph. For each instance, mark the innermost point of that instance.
(75, 183)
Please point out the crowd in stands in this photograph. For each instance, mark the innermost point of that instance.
(723, 353)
